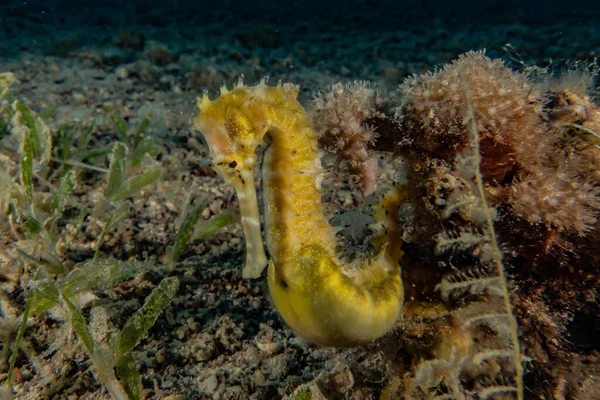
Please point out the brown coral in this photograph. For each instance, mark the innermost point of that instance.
(539, 151)
(558, 198)
(529, 158)
(340, 119)
(506, 104)
(560, 182)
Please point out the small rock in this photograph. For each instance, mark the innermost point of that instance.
(276, 367)
(159, 55)
(258, 378)
(204, 77)
(122, 73)
(147, 72)
(269, 347)
(209, 385)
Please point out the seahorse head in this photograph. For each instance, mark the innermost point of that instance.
(230, 130)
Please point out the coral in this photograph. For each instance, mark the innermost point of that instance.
(475, 353)
(506, 104)
(472, 355)
(559, 185)
(340, 120)
(533, 158)
(530, 178)
(306, 280)
(558, 197)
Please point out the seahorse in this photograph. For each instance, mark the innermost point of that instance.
(305, 277)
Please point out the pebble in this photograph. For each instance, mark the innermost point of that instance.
(122, 73)
(269, 347)
(209, 385)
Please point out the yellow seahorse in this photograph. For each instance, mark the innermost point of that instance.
(306, 280)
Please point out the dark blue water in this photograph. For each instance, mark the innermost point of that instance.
(313, 32)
